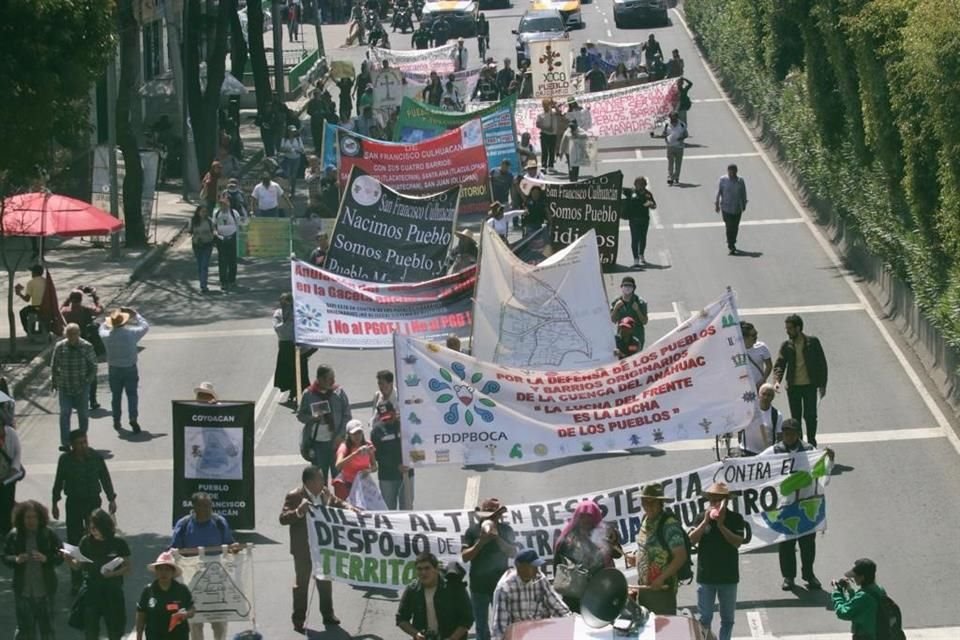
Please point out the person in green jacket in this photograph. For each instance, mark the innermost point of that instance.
(859, 606)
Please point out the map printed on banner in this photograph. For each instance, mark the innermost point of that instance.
(455, 158)
(414, 82)
(551, 69)
(554, 315)
(692, 383)
(780, 496)
(382, 235)
(439, 59)
(636, 109)
(333, 311)
(221, 585)
(419, 121)
(387, 88)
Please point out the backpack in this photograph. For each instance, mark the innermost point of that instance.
(685, 574)
(889, 620)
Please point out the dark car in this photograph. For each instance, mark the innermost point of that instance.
(640, 12)
(538, 25)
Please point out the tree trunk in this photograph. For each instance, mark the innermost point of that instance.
(134, 227)
(11, 316)
(258, 55)
(238, 47)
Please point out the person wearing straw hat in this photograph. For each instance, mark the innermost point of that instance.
(661, 552)
(205, 392)
(719, 533)
(165, 604)
(121, 333)
(488, 545)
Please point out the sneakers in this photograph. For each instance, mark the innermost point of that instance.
(642, 262)
(636, 262)
(788, 584)
(670, 181)
(812, 583)
(135, 426)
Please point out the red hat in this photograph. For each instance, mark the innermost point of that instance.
(627, 322)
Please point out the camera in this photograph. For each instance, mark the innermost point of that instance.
(841, 583)
(386, 413)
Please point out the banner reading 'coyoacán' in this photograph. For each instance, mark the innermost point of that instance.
(438, 59)
(781, 497)
(332, 311)
(691, 383)
(384, 236)
(456, 158)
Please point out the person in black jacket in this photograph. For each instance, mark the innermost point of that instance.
(33, 552)
(448, 615)
(802, 362)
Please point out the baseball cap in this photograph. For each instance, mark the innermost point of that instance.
(529, 556)
(864, 567)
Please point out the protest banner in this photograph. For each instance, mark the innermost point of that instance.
(554, 315)
(550, 68)
(610, 54)
(439, 59)
(780, 496)
(387, 88)
(265, 238)
(333, 311)
(419, 121)
(340, 69)
(414, 82)
(576, 207)
(635, 109)
(454, 158)
(692, 382)
(213, 453)
(221, 584)
(382, 235)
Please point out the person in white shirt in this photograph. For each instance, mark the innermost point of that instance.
(765, 430)
(226, 222)
(674, 132)
(291, 156)
(499, 220)
(760, 360)
(10, 469)
(266, 198)
(460, 56)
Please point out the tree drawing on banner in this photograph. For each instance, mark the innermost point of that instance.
(801, 515)
(214, 591)
(551, 58)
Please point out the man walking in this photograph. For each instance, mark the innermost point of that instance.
(675, 134)
(73, 366)
(121, 333)
(312, 492)
(731, 202)
(81, 475)
(325, 411)
(395, 478)
(719, 532)
(488, 545)
(432, 606)
(804, 366)
(524, 593)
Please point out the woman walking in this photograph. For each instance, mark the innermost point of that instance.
(204, 236)
(165, 605)
(637, 205)
(226, 221)
(284, 375)
(32, 550)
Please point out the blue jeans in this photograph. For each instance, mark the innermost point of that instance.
(69, 401)
(481, 613)
(203, 253)
(707, 594)
(397, 494)
(124, 379)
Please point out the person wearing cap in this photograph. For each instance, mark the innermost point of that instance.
(674, 134)
(488, 545)
(165, 604)
(355, 457)
(237, 200)
(121, 334)
(629, 305)
(718, 532)
(433, 605)
(791, 443)
(573, 146)
(312, 492)
(859, 606)
(637, 204)
(499, 220)
(524, 593)
(226, 223)
(661, 553)
(73, 366)
(582, 116)
(324, 411)
(627, 343)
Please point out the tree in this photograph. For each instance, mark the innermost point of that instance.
(51, 52)
(136, 235)
(258, 57)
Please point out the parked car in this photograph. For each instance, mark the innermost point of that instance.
(543, 24)
(640, 12)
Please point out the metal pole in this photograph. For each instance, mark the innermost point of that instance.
(112, 146)
(278, 83)
(321, 52)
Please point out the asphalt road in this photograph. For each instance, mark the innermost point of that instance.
(893, 497)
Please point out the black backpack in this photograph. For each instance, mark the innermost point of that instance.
(889, 620)
(685, 574)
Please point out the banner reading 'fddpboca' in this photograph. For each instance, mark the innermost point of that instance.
(781, 497)
(384, 236)
(332, 311)
(456, 158)
(691, 383)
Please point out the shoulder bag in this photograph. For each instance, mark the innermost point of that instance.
(570, 580)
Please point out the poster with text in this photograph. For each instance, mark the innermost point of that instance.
(414, 82)
(382, 235)
(213, 453)
(455, 158)
(551, 69)
(692, 383)
(439, 59)
(387, 88)
(553, 315)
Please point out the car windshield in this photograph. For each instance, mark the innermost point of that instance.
(541, 24)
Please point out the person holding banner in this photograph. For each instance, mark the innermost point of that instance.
(284, 373)
(573, 146)
(551, 125)
(165, 604)
(312, 492)
(432, 607)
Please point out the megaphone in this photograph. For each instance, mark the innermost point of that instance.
(604, 598)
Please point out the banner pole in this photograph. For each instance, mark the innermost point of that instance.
(296, 373)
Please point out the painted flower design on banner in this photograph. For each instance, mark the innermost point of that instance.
(308, 316)
(460, 392)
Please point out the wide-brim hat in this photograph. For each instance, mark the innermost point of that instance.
(654, 491)
(165, 559)
(466, 234)
(206, 388)
(572, 100)
(117, 319)
(489, 507)
(719, 489)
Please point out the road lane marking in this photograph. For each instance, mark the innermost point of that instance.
(201, 335)
(745, 223)
(817, 308)
(655, 219)
(609, 33)
(680, 312)
(928, 633)
(471, 497)
(709, 100)
(638, 153)
(709, 156)
(831, 253)
(473, 482)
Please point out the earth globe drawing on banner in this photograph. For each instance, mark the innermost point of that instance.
(798, 518)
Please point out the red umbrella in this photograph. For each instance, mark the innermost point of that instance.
(47, 214)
